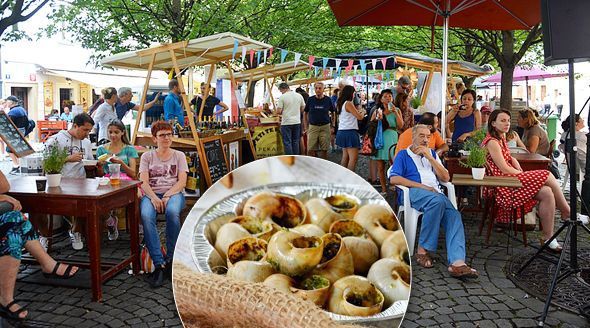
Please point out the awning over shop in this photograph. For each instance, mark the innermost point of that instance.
(102, 80)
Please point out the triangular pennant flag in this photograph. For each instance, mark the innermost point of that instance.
(270, 52)
(251, 58)
(338, 62)
(363, 65)
(384, 62)
(233, 53)
(325, 73)
(350, 62)
(283, 55)
(354, 78)
(347, 69)
(355, 68)
(324, 63)
(311, 59)
(258, 57)
(387, 75)
(331, 71)
(315, 70)
(265, 53)
(243, 54)
(297, 57)
(374, 63)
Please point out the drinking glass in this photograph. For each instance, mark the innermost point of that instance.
(115, 171)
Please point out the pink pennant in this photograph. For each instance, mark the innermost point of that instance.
(384, 62)
(311, 59)
(350, 62)
(270, 52)
(251, 58)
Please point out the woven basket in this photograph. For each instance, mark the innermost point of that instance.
(210, 300)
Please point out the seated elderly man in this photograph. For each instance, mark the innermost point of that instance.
(419, 168)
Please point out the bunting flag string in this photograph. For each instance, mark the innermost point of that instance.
(324, 63)
(233, 53)
(297, 57)
(338, 62)
(251, 57)
(243, 54)
(283, 55)
(310, 61)
(265, 52)
(374, 63)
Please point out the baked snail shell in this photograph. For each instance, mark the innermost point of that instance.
(355, 296)
(314, 288)
(293, 254)
(336, 260)
(227, 234)
(321, 213)
(392, 277)
(344, 204)
(378, 220)
(396, 247)
(252, 271)
(246, 249)
(309, 230)
(363, 249)
(256, 227)
(283, 210)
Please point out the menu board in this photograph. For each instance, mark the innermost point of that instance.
(13, 138)
(213, 159)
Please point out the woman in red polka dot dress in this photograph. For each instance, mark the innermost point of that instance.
(537, 186)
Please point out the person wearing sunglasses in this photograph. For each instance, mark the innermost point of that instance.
(163, 174)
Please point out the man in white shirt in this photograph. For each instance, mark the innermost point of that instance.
(419, 168)
(75, 141)
(290, 106)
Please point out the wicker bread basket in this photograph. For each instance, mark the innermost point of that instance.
(210, 300)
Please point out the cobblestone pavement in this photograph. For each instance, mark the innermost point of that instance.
(437, 299)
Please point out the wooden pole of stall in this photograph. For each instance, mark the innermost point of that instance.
(207, 88)
(242, 114)
(185, 103)
(269, 88)
(427, 85)
(143, 98)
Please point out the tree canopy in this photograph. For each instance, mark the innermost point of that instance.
(13, 12)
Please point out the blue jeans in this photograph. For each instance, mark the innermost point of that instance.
(438, 210)
(291, 135)
(150, 231)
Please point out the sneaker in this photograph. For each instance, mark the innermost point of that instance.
(112, 222)
(44, 242)
(156, 278)
(76, 239)
(15, 170)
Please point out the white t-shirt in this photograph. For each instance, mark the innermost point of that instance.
(425, 170)
(291, 103)
(64, 139)
(105, 113)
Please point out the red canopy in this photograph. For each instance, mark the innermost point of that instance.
(479, 14)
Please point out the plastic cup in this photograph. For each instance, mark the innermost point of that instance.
(115, 172)
(41, 183)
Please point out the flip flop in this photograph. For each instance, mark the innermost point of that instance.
(66, 274)
(424, 260)
(12, 315)
(463, 272)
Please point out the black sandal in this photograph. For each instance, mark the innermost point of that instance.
(65, 275)
(12, 315)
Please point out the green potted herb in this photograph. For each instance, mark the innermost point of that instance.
(416, 102)
(476, 160)
(54, 159)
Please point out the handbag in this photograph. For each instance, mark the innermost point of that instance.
(366, 147)
(379, 143)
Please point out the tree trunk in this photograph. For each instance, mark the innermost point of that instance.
(507, 64)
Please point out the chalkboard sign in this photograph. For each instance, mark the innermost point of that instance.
(13, 138)
(213, 158)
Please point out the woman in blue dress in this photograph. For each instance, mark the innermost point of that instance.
(391, 119)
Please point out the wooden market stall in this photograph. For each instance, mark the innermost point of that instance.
(211, 150)
(266, 130)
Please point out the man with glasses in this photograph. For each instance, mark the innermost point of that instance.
(435, 141)
(317, 120)
(419, 168)
(404, 85)
(210, 103)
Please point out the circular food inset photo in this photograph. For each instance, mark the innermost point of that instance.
(291, 241)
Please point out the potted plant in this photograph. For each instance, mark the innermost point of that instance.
(476, 160)
(54, 160)
(416, 102)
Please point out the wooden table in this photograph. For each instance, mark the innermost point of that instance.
(528, 162)
(487, 181)
(83, 199)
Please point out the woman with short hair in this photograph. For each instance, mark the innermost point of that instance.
(163, 172)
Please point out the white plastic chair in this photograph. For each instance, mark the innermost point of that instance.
(411, 215)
